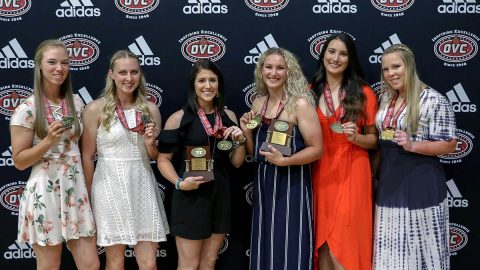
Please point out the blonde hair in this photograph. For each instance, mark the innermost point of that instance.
(413, 86)
(110, 91)
(296, 85)
(40, 126)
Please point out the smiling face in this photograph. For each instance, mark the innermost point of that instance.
(206, 86)
(335, 58)
(126, 75)
(394, 70)
(274, 72)
(54, 66)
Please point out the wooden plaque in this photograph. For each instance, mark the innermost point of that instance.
(279, 135)
(199, 162)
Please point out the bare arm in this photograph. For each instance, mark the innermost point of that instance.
(429, 148)
(23, 151)
(152, 130)
(237, 155)
(246, 117)
(88, 142)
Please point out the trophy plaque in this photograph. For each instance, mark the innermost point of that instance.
(279, 135)
(199, 162)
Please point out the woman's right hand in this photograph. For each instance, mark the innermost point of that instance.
(55, 131)
(246, 117)
(191, 183)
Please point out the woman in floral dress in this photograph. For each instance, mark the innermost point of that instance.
(45, 129)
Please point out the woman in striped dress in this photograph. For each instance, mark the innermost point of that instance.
(282, 209)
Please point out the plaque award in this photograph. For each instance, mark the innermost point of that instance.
(199, 162)
(279, 135)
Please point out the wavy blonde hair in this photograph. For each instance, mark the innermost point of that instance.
(413, 86)
(40, 125)
(296, 85)
(110, 91)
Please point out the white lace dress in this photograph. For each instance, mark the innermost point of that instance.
(125, 195)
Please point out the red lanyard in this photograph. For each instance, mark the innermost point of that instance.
(139, 128)
(50, 117)
(327, 94)
(388, 122)
(281, 105)
(217, 130)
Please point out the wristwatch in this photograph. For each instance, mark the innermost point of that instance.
(237, 144)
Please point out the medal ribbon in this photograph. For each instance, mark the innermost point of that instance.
(388, 122)
(281, 105)
(327, 94)
(50, 117)
(140, 126)
(218, 128)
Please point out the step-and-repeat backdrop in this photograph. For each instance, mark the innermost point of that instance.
(168, 35)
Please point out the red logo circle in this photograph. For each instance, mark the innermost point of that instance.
(392, 6)
(266, 6)
(136, 7)
(11, 98)
(203, 47)
(456, 48)
(82, 51)
(14, 8)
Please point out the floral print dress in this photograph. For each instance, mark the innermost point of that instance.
(54, 206)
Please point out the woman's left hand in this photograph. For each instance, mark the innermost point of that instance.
(234, 132)
(150, 134)
(401, 138)
(274, 156)
(351, 131)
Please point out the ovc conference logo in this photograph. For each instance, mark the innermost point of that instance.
(10, 195)
(144, 53)
(266, 8)
(334, 7)
(136, 9)
(77, 8)
(82, 49)
(203, 45)
(248, 188)
(261, 47)
(205, 7)
(392, 8)
(464, 147)
(154, 94)
(455, 47)
(13, 56)
(11, 96)
(12, 10)
(458, 238)
(376, 58)
(317, 41)
(459, 7)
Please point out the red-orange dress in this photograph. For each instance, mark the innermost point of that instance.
(342, 194)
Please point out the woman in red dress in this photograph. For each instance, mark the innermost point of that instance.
(342, 187)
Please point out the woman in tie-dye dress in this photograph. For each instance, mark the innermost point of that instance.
(416, 124)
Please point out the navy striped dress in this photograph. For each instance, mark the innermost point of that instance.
(282, 212)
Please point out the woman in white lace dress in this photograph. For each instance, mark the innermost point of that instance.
(121, 128)
(45, 129)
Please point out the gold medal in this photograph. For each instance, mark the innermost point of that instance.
(252, 124)
(336, 127)
(387, 134)
(224, 145)
(67, 121)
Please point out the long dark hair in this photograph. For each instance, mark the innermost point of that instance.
(207, 65)
(354, 101)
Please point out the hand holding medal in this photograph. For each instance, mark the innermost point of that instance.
(337, 126)
(390, 121)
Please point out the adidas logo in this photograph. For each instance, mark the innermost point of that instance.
(459, 6)
(334, 6)
(205, 7)
(13, 56)
(144, 53)
(85, 95)
(19, 251)
(77, 8)
(459, 99)
(454, 197)
(375, 58)
(267, 42)
(6, 159)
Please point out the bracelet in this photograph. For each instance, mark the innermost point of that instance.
(177, 183)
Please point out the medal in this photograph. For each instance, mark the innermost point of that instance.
(336, 127)
(67, 121)
(327, 95)
(224, 145)
(253, 123)
(146, 119)
(387, 134)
